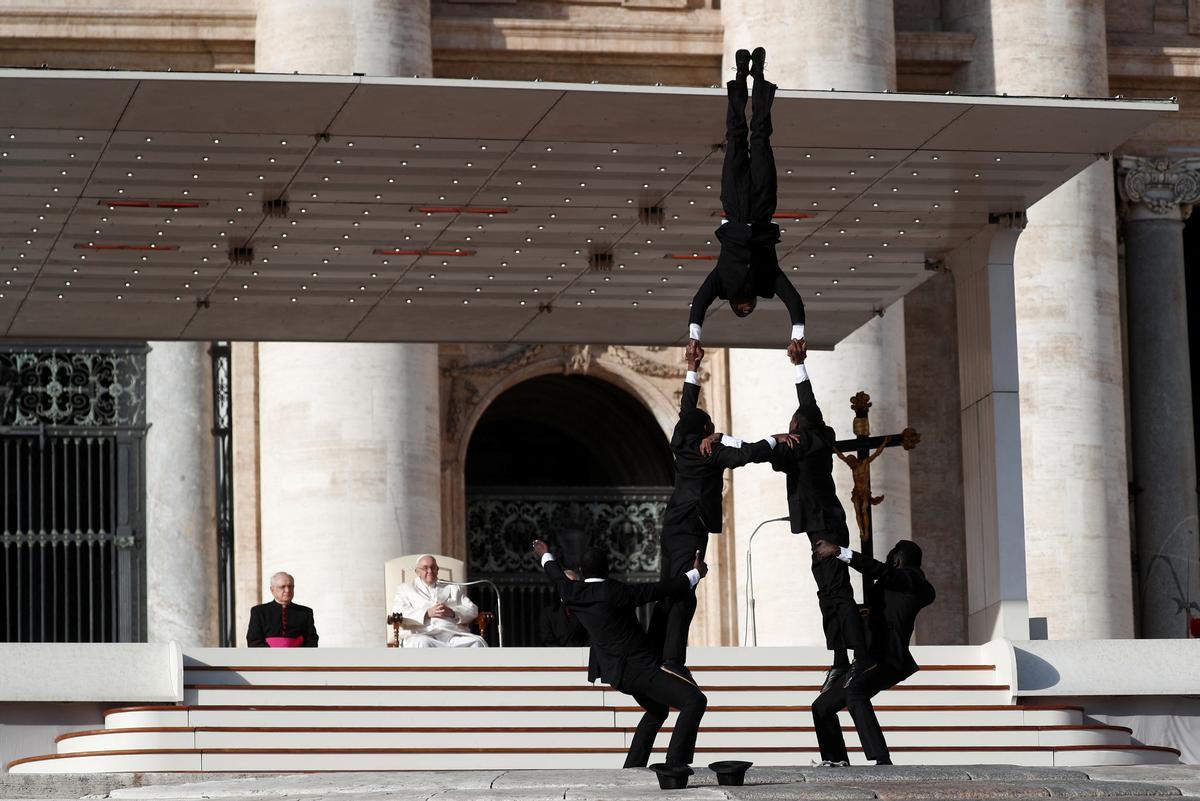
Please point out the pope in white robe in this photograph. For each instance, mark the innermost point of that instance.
(436, 614)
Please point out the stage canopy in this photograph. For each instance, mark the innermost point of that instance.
(216, 206)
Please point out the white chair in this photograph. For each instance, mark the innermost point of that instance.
(402, 570)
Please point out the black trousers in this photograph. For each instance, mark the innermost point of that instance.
(749, 190)
(856, 698)
(672, 617)
(658, 694)
(835, 595)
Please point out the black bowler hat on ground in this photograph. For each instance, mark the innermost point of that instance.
(730, 771)
(671, 777)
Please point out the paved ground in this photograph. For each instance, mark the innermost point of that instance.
(1155, 782)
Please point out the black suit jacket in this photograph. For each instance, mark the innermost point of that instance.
(265, 620)
(747, 267)
(558, 626)
(894, 596)
(697, 493)
(813, 504)
(620, 651)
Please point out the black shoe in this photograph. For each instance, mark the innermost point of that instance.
(676, 669)
(758, 62)
(884, 761)
(831, 677)
(857, 668)
(742, 60)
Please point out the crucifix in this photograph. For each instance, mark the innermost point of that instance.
(860, 460)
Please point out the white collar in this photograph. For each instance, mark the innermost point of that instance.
(592, 580)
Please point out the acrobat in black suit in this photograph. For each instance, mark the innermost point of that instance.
(622, 655)
(895, 591)
(747, 267)
(815, 509)
(694, 509)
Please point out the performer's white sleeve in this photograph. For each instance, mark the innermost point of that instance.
(798, 331)
(547, 557)
(770, 442)
(691, 378)
(801, 373)
(694, 331)
(464, 608)
(845, 554)
(693, 576)
(731, 442)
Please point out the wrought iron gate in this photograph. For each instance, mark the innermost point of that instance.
(72, 428)
(503, 521)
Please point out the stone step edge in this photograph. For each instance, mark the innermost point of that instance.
(524, 668)
(540, 688)
(554, 751)
(578, 708)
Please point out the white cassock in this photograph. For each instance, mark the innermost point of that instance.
(414, 600)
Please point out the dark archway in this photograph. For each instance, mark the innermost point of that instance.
(576, 461)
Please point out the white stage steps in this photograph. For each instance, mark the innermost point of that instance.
(327, 710)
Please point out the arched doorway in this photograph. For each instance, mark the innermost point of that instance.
(575, 461)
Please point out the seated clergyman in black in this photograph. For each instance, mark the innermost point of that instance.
(894, 591)
(814, 509)
(622, 655)
(694, 509)
(281, 623)
(747, 267)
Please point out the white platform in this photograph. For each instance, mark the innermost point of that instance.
(349, 709)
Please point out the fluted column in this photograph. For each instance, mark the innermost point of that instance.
(1158, 195)
(1068, 327)
(350, 443)
(181, 536)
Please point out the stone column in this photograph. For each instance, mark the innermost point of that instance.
(815, 45)
(1068, 327)
(1158, 195)
(181, 535)
(342, 37)
(350, 434)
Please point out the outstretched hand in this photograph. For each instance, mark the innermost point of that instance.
(797, 351)
(700, 566)
(540, 548)
(791, 440)
(694, 354)
(824, 550)
(706, 444)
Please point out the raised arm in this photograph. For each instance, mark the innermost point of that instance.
(691, 382)
(704, 298)
(639, 594)
(791, 299)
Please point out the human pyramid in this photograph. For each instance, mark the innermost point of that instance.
(651, 666)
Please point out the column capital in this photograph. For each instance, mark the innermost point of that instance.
(1158, 187)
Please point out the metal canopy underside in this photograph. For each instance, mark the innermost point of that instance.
(464, 211)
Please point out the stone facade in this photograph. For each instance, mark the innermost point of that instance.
(1153, 49)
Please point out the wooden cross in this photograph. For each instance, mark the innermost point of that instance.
(860, 464)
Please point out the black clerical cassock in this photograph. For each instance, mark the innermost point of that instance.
(748, 267)
(273, 619)
(622, 655)
(694, 509)
(895, 591)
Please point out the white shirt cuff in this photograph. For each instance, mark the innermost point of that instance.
(691, 378)
(731, 442)
(770, 441)
(693, 576)
(845, 555)
(801, 374)
(798, 331)
(694, 331)
(549, 557)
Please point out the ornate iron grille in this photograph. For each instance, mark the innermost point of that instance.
(503, 521)
(72, 425)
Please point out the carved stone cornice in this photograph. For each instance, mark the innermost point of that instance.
(1158, 188)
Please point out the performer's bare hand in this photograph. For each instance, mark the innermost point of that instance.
(540, 548)
(695, 354)
(791, 440)
(797, 351)
(825, 550)
(700, 566)
(706, 444)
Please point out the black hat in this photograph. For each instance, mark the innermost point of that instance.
(730, 771)
(671, 777)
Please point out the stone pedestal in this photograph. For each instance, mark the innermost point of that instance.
(1158, 195)
(181, 537)
(1068, 327)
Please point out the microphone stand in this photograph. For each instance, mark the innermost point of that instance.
(750, 637)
